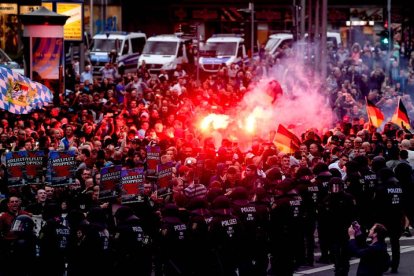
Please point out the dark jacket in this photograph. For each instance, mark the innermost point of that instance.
(374, 258)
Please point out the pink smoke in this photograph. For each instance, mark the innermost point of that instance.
(301, 107)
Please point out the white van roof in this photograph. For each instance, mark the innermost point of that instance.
(166, 37)
(281, 36)
(118, 35)
(225, 38)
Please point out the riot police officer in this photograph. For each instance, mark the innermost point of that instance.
(53, 241)
(339, 210)
(388, 210)
(286, 222)
(132, 243)
(224, 234)
(173, 242)
(23, 247)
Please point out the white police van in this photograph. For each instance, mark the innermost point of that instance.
(281, 40)
(222, 49)
(165, 52)
(128, 48)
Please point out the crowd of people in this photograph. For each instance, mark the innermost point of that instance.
(224, 209)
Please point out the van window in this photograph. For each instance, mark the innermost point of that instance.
(104, 45)
(126, 48)
(160, 48)
(271, 43)
(240, 51)
(222, 48)
(180, 50)
(137, 44)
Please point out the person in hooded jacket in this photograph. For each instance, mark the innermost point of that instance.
(388, 210)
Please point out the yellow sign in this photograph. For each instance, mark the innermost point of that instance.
(73, 27)
(48, 5)
(8, 9)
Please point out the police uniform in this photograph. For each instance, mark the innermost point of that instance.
(53, 242)
(388, 210)
(339, 210)
(173, 242)
(286, 221)
(131, 243)
(225, 237)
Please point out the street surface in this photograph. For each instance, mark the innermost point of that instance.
(406, 267)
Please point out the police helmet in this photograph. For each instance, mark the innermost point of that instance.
(22, 224)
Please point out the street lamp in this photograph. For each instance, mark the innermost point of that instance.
(251, 11)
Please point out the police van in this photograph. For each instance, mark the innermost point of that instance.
(222, 49)
(279, 41)
(126, 46)
(165, 52)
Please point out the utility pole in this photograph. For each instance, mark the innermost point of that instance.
(251, 8)
(198, 54)
(324, 50)
(302, 18)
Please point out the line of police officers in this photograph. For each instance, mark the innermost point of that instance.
(222, 233)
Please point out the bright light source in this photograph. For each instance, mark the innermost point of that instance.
(371, 23)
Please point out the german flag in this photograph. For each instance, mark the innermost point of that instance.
(375, 115)
(286, 141)
(401, 116)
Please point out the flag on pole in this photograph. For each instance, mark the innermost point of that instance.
(401, 116)
(285, 140)
(375, 116)
(19, 94)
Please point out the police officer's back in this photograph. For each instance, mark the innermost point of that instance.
(132, 243)
(225, 233)
(388, 210)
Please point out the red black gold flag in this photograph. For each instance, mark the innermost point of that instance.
(285, 140)
(401, 116)
(375, 115)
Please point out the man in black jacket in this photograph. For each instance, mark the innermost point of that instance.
(375, 259)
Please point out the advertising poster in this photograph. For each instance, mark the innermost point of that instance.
(46, 56)
(16, 168)
(110, 179)
(72, 30)
(61, 169)
(132, 183)
(34, 167)
(165, 172)
(153, 159)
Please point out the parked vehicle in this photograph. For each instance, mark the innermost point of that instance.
(222, 49)
(165, 52)
(6, 61)
(279, 41)
(126, 46)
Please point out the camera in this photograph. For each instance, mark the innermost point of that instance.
(357, 228)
